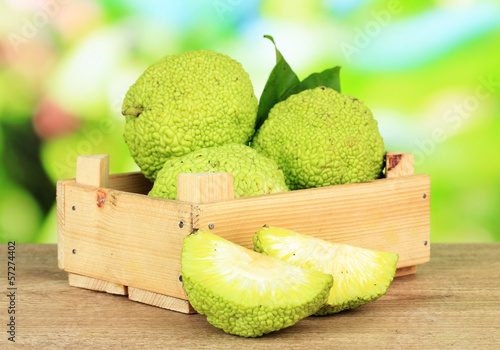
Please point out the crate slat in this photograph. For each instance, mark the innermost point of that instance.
(387, 215)
(133, 182)
(60, 220)
(404, 271)
(96, 284)
(125, 238)
(160, 300)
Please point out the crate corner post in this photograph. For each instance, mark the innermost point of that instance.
(60, 222)
(92, 170)
(194, 189)
(400, 164)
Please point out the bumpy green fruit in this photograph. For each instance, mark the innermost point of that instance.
(253, 173)
(320, 137)
(246, 293)
(184, 102)
(360, 275)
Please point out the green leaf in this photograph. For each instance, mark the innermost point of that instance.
(329, 78)
(281, 80)
(279, 56)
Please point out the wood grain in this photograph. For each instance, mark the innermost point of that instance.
(93, 170)
(404, 271)
(192, 188)
(204, 187)
(386, 215)
(60, 220)
(96, 284)
(125, 238)
(160, 300)
(133, 182)
(451, 303)
(399, 164)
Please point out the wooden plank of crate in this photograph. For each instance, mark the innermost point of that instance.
(60, 220)
(404, 271)
(387, 214)
(398, 164)
(96, 284)
(133, 182)
(191, 188)
(93, 171)
(160, 300)
(125, 238)
(204, 187)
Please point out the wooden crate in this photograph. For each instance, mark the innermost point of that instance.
(116, 239)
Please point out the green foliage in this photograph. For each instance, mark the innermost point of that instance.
(283, 82)
(329, 78)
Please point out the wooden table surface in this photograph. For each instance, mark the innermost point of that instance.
(452, 302)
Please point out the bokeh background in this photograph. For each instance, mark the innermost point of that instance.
(429, 70)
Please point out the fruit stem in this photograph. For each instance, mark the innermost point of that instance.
(131, 111)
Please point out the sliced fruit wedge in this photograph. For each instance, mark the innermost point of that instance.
(359, 275)
(246, 293)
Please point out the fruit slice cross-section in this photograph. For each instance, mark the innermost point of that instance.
(244, 292)
(359, 275)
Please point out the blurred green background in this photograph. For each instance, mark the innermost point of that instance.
(429, 70)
